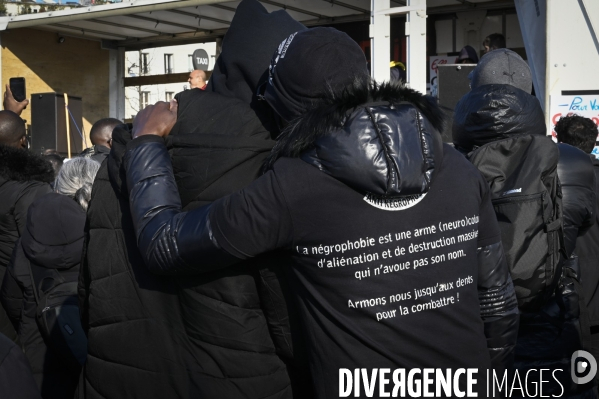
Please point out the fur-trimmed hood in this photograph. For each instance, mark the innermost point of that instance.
(21, 165)
(381, 139)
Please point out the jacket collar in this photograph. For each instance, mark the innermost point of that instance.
(21, 165)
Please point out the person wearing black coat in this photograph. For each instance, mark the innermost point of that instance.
(344, 199)
(223, 335)
(500, 107)
(52, 239)
(24, 177)
(577, 178)
(581, 133)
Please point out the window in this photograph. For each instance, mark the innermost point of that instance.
(169, 95)
(168, 63)
(143, 63)
(144, 101)
(190, 62)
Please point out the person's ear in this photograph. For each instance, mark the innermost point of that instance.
(23, 142)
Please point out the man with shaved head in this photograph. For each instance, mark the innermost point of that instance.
(12, 130)
(24, 177)
(197, 79)
(101, 138)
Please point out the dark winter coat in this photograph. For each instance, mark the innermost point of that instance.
(587, 249)
(96, 152)
(218, 147)
(223, 335)
(348, 148)
(577, 178)
(136, 339)
(24, 177)
(16, 380)
(489, 114)
(53, 239)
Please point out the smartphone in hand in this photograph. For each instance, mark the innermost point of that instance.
(17, 87)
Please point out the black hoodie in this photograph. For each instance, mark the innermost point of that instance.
(53, 239)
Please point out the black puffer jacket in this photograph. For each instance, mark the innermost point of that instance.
(218, 147)
(24, 177)
(502, 114)
(136, 339)
(378, 140)
(587, 249)
(576, 175)
(53, 239)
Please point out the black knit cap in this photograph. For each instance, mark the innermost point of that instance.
(308, 65)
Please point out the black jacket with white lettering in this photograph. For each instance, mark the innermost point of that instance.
(381, 140)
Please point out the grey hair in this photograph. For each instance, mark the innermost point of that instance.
(76, 178)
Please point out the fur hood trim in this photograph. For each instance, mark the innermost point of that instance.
(334, 111)
(21, 165)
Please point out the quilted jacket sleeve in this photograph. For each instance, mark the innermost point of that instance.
(172, 241)
(498, 305)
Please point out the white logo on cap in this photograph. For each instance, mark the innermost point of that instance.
(281, 51)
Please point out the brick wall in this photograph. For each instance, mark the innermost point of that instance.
(77, 67)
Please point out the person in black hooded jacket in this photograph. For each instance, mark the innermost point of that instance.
(53, 239)
(373, 210)
(500, 109)
(222, 335)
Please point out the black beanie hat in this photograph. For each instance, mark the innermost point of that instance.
(310, 64)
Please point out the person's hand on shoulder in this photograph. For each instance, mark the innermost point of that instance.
(10, 104)
(157, 119)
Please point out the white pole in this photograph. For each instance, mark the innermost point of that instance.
(416, 32)
(381, 41)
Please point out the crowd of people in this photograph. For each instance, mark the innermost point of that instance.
(293, 227)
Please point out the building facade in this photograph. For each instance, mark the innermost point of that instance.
(160, 61)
